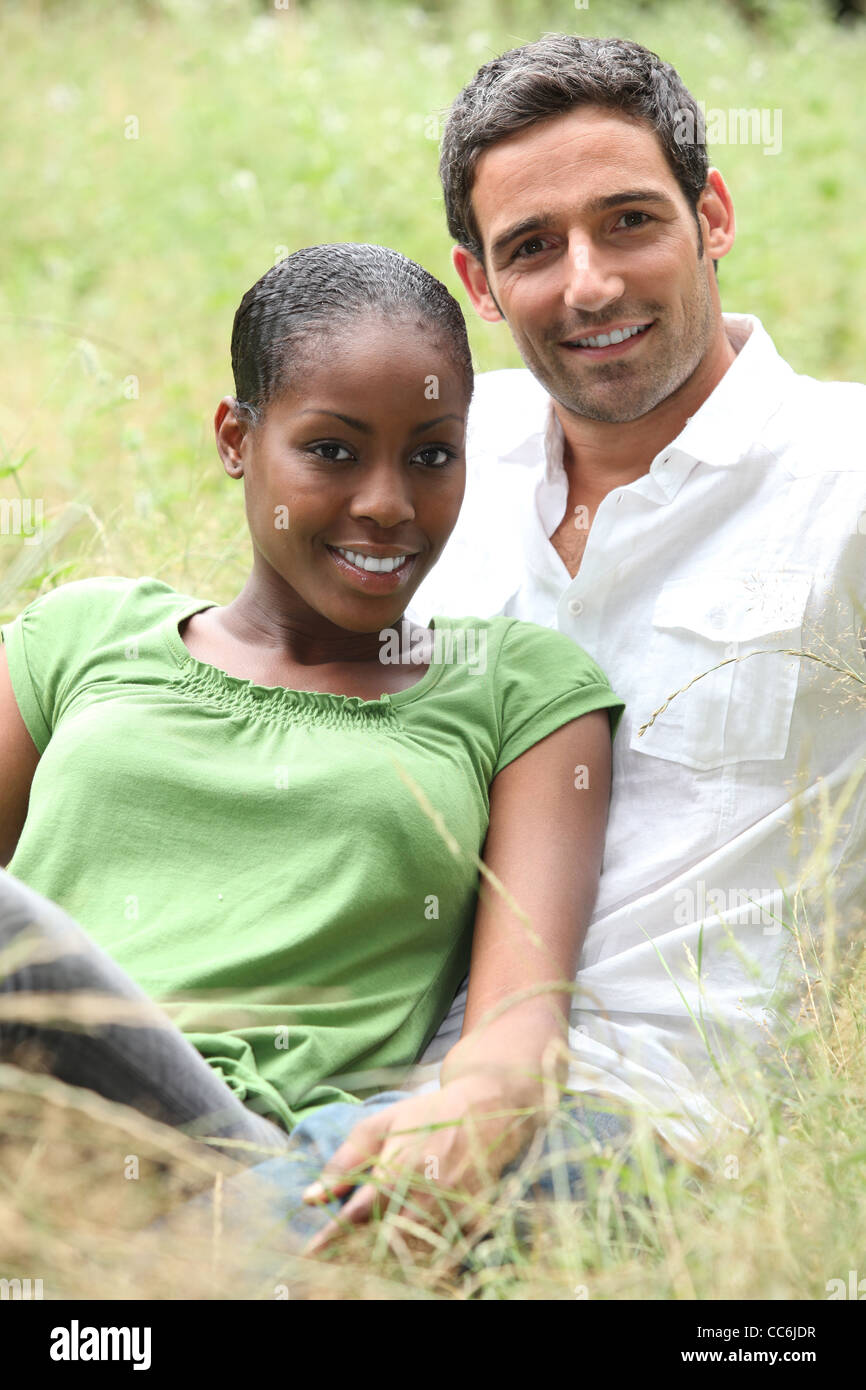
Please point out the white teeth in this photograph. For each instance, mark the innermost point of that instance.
(370, 562)
(618, 335)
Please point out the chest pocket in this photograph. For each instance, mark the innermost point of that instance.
(742, 711)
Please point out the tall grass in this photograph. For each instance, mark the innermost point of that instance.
(124, 260)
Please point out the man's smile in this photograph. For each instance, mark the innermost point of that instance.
(615, 341)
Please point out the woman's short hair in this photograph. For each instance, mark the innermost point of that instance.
(313, 293)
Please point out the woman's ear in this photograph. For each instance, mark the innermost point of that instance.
(474, 277)
(230, 432)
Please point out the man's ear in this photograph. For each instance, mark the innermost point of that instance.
(716, 216)
(474, 277)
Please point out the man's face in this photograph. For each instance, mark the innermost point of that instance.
(586, 232)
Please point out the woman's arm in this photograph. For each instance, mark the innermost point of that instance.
(548, 812)
(18, 760)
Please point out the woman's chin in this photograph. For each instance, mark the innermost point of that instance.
(359, 610)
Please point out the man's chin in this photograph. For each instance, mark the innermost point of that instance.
(607, 408)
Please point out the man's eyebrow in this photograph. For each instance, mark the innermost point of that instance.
(633, 195)
(368, 429)
(610, 200)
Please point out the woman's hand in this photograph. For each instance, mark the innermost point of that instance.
(542, 856)
(438, 1151)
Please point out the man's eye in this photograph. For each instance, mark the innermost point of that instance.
(433, 456)
(536, 241)
(331, 450)
(643, 215)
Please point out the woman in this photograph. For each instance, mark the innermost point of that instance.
(266, 816)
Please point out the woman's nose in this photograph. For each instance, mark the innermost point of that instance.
(385, 497)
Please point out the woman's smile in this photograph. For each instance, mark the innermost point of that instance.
(370, 573)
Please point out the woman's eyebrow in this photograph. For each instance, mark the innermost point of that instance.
(428, 424)
(347, 419)
(368, 429)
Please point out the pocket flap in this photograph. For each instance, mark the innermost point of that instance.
(734, 608)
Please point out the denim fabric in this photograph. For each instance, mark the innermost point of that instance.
(152, 1067)
(557, 1171)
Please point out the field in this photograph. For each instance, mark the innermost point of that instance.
(158, 158)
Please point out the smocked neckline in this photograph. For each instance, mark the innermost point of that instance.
(209, 677)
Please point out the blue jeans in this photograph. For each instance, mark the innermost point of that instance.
(558, 1171)
(147, 1063)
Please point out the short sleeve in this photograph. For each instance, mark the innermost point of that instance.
(45, 646)
(544, 680)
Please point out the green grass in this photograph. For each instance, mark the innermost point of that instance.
(123, 263)
(259, 130)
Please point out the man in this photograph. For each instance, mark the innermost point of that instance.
(660, 485)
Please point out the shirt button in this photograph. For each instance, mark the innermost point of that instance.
(575, 607)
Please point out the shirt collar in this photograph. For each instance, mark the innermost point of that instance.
(731, 419)
(720, 433)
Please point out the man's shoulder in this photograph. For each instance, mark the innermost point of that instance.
(515, 385)
(819, 428)
(508, 406)
(504, 380)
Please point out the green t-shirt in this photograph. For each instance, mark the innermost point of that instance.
(250, 854)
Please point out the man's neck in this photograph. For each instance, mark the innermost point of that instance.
(599, 456)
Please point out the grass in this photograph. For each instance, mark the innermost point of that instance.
(124, 260)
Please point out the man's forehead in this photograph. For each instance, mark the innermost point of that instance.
(587, 155)
(582, 132)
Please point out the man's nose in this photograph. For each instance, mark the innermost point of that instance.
(592, 283)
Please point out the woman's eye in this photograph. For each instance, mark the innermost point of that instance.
(433, 456)
(329, 449)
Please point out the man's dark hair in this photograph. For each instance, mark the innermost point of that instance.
(550, 77)
(285, 318)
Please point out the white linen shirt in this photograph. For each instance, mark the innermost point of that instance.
(748, 533)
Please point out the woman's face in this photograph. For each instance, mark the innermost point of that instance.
(363, 454)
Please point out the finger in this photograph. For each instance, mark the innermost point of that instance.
(355, 1212)
(360, 1207)
(355, 1154)
(343, 1169)
(322, 1238)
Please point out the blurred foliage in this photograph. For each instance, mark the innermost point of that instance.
(159, 156)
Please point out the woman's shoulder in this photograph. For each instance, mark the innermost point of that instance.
(65, 638)
(530, 647)
(65, 626)
(537, 679)
(102, 596)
